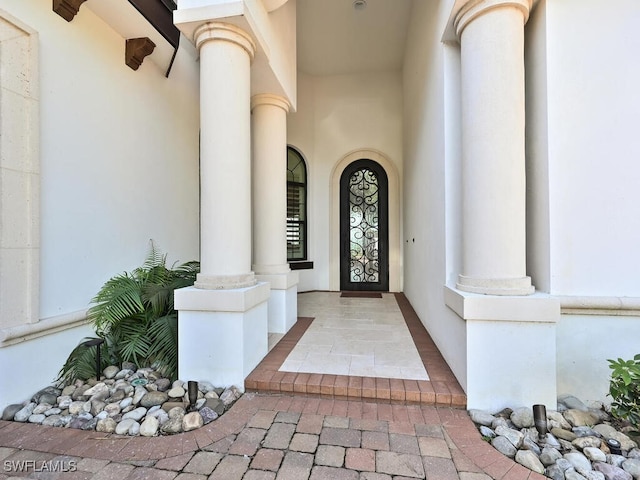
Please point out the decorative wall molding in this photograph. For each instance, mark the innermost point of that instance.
(67, 9)
(46, 326)
(612, 306)
(136, 50)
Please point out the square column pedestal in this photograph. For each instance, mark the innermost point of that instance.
(222, 334)
(283, 302)
(510, 348)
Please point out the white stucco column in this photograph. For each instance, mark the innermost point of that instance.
(226, 52)
(491, 34)
(493, 294)
(269, 145)
(222, 319)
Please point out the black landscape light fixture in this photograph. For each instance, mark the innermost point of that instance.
(614, 446)
(95, 342)
(540, 421)
(192, 389)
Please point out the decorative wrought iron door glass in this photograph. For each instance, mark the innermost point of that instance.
(363, 222)
(364, 263)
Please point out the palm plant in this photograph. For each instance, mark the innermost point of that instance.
(134, 313)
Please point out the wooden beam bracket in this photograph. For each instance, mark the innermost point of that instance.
(136, 50)
(67, 9)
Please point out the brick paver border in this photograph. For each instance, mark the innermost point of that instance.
(442, 388)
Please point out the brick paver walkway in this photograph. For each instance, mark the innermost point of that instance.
(272, 436)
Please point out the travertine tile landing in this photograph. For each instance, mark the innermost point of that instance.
(365, 337)
(441, 388)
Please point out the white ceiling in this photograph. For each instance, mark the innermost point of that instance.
(335, 38)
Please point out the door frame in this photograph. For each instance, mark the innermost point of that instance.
(395, 242)
(382, 227)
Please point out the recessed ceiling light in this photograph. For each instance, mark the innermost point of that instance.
(360, 4)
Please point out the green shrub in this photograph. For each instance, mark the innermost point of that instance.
(624, 388)
(134, 314)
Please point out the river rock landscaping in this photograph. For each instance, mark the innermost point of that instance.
(126, 401)
(577, 445)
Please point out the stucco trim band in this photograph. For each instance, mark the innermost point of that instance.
(613, 306)
(46, 326)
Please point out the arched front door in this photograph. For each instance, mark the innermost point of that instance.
(364, 227)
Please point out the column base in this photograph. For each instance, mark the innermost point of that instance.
(283, 302)
(496, 286)
(510, 348)
(224, 282)
(222, 334)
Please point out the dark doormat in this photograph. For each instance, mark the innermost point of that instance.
(361, 294)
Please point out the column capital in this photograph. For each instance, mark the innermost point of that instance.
(474, 9)
(225, 32)
(270, 99)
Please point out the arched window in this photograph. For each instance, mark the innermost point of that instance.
(296, 206)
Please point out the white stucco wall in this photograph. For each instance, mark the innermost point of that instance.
(119, 166)
(432, 178)
(119, 156)
(582, 146)
(301, 136)
(537, 149)
(593, 145)
(336, 115)
(585, 343)
(283, 60)
(28, 366)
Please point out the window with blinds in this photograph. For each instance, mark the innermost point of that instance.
(296, 206)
